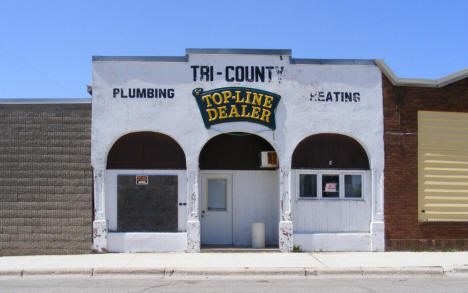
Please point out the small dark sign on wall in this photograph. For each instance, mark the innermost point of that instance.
(232, 104)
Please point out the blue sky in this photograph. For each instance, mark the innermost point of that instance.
(46, 46)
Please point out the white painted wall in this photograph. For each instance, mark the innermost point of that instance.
(147, 242)
(332, 241)
(296, 118)
(332, 215)
(255, 199)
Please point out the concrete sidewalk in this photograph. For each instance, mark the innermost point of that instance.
(243, 264)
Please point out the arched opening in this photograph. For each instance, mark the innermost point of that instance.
(238, 188)
(329, 151)
(330, 166)
(146, 150)
(234, 151)
(146, 169)
(332, 187)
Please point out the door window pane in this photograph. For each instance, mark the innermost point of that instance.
(308, 185)
(217, 189)
(353, 185)
(330, 186)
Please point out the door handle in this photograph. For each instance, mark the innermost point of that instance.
(202, 214)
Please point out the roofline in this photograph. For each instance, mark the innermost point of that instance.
(415, 82)
(142, 58)
(435, 83)
(286, 52)
(47, 101)
(332, 61)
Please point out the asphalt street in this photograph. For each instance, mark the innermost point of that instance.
(120, 284)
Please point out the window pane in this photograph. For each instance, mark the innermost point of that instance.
(308, 185)
(217, 194)
(353, 186)
(330, 186)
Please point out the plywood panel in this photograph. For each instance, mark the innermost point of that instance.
(147, 208)
(442, 166)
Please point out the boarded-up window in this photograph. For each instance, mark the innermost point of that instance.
(442, 166)
(150, 207)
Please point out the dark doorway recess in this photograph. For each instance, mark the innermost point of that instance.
(329, 151)
(233, 151)
(146, 150)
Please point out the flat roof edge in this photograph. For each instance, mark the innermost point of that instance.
(435, 83)
(142, 58)
(332, 61)
(239, 51)
(47, 101)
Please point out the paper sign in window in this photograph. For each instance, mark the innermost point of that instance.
(330, 187)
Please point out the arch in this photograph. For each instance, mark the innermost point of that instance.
(146, 150)
(233, 151)
(329, 151)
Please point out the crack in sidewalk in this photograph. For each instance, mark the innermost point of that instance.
(317, 259)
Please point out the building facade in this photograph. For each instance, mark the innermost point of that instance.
(426, 151)
(181, 153)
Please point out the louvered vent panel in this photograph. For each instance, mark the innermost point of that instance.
(442, 166)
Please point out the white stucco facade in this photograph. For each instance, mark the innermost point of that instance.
(301, 112)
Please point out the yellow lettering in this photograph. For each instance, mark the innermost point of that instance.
(212, 114)
(222, 112)
(233, 111)
(206, 99)
(266, 115)
(257, 99)
(238, 100)
(255, 113)
(217, 98)
(243, 111)
(268, 100)
(227, 95)
(247, 97)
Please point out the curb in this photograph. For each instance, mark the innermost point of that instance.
(233, 272)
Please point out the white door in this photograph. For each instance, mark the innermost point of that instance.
(216, 209)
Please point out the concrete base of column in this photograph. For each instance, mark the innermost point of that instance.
(193, 236)
(377, 236)
(286, 241)
(100, 236)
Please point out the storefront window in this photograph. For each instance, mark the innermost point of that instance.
(308, 185)
(320, 184)
(353, 186)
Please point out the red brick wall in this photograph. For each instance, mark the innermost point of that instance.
(401, 104)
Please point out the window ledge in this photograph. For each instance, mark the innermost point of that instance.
(329, 199)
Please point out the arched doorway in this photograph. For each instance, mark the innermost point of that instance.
(147, 191)
(237, 189)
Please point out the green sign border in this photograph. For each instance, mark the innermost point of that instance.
(198, 93)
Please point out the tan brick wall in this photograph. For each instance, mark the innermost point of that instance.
(401, 104)
(45, 179)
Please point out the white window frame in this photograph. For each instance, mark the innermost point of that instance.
(341, 184)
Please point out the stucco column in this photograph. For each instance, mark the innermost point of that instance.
(286, 241)
(100, 222)
(193, 221)
(377, 227)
